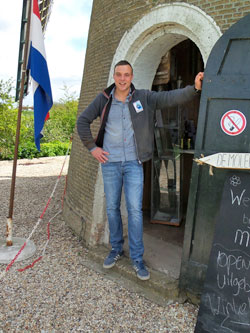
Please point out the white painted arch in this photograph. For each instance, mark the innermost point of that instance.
(157, 32)
(143, 46)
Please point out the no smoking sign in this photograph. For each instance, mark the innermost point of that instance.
(233, 122)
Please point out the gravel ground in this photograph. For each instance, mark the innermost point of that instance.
(59, 294)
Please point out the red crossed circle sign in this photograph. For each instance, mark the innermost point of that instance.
(233, 122)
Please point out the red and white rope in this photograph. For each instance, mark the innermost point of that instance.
(37, 224)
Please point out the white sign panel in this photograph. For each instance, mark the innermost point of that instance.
(228, 160)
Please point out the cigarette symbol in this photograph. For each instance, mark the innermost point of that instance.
(234, 123)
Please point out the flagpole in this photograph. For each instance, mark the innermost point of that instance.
(9, 241)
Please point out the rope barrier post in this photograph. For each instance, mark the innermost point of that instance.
(28, 243)
(14, 245)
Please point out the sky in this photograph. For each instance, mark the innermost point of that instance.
(65, 43)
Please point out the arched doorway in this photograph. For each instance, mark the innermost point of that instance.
(158, 32)
(168, 174)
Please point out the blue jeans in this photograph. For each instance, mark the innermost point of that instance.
(130, 175)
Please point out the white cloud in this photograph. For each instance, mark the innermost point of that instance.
(9, 37)
(65, 42)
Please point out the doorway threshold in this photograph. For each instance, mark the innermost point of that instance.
(160, 255)
(163, 246)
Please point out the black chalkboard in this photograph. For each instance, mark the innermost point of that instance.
(225, 302)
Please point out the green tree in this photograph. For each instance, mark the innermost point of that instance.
(8, 117)
(57, 130)
(62, 120)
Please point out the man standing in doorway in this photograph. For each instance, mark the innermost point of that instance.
(124, 141)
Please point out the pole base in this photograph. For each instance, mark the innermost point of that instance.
(8, 253)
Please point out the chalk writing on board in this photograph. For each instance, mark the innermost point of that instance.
(240, 199)
(242, 237)
(235, 181)
(225, 303)
(246, 220)
(222, 306)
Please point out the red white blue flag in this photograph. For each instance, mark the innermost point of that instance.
(37, 65)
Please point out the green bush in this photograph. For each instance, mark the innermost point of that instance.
(61, 123)
(56, 148)
(29, 150)
(8, 118)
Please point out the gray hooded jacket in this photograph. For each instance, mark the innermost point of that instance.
(143, 122)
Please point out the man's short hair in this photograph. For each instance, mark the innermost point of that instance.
(123, 63)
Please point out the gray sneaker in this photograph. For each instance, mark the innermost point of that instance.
(112, 258)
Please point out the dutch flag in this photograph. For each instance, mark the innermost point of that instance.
(37, 65)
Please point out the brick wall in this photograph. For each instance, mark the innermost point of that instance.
(109, 21)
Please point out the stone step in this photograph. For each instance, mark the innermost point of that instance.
(160, 288)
